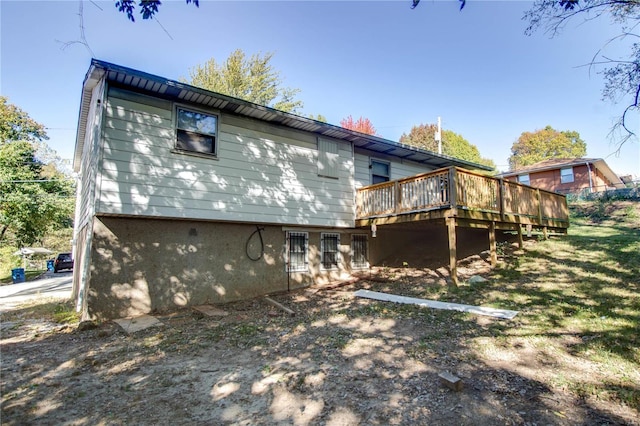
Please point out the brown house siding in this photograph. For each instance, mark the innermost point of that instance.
(550, 180)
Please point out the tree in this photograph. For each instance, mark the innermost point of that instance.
(453, 144)
(252, 79)
(622, 74)
(16, 124)
(544, 144)
(318, 117)
(362, 125)
(34, 197)
(148, 8)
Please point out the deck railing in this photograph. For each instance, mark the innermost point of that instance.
(461, 189)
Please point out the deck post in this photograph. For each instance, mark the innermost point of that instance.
(545, 233)
(492, 243)
(501, 192)
(398, 195)
(539, 206)
(453, 189)
(453, 269)
(520, 241)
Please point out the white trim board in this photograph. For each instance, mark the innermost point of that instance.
(385, 297)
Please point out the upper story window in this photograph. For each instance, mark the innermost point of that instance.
(566, 175)
(328, 158)
(380, 171)
(524, 179)
(196, 131)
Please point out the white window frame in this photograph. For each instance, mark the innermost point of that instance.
(386, 163)
(566, 175)
(323, 250)
(355, 265)
(178, 130)
(524, 179)
(305, 266)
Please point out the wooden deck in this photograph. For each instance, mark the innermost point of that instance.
(458, 197)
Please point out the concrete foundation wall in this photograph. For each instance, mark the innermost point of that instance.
(145, 265)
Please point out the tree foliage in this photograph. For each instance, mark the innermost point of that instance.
(545, 144)
(362, 125)
(453, 144)
(34, 197)
(253, 79)
(148, 8)
(621, 74)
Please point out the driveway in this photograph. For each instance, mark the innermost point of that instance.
(50, 285)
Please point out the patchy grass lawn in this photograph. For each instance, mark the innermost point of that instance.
(571, 355)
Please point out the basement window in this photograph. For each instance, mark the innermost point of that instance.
(359, 251)
(297, 244)
(329, 246)
(196, 131)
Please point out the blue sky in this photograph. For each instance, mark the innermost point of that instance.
(398, 67)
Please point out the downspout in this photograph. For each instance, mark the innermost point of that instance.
(590, 179)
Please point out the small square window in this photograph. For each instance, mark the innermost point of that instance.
(566, 175)
(524, 179)
(330, 248)
(196, 131)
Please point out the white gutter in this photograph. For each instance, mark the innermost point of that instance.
(590, 179)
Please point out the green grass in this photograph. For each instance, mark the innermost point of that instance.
(587, 285)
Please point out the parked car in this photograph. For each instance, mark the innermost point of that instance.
(63, 261)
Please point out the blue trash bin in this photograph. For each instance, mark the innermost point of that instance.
(17, 275)
(50, 265)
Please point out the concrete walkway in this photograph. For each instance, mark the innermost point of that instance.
(50, 285)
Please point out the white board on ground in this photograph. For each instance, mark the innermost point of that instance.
(385, 297)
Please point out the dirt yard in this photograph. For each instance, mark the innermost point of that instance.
(340, 360)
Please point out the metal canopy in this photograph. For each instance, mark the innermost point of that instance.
(174, 90)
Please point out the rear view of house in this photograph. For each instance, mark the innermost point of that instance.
(187, 196)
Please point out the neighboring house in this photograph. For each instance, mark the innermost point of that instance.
(187, 197)
(567, 176)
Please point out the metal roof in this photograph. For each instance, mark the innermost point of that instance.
(177, 91)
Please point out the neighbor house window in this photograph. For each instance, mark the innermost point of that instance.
(329, 247)
(524, 179)
(566, 175)
(359, 251)
(196, 131)
(380, 171)
(297, 244)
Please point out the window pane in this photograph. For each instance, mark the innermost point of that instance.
(330, 252)
(197, 122)
(195, 142)
(359, 255)
(523, 179)
(297, 251)
(566, 175)
(378, 168)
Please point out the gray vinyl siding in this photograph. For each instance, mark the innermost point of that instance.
(260, 174)
(90, 158)
(399, 168)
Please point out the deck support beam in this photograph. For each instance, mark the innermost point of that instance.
(520, 240)
(453, 269)
(492, 244)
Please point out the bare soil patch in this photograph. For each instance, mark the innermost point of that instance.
(340, 360)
